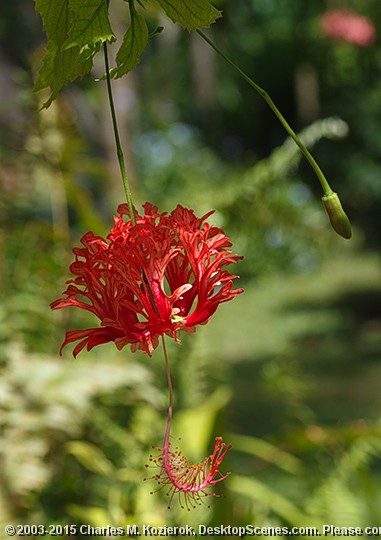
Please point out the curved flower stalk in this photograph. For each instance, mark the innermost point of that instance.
(187, 481)
(157, 274)
(344, 228)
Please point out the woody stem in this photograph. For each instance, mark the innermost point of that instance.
(119, 150)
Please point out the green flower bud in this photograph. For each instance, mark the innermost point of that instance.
(338, 218)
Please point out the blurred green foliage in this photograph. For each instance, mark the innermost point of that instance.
(290, 371)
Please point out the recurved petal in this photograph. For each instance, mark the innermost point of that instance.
(90, 338)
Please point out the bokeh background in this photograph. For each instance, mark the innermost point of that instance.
(289, 372)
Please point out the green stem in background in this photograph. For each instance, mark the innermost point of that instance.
(336, 214)
(119, 150)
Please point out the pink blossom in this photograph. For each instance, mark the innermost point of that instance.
(349, 26)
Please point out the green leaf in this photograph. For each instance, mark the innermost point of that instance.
(55, 18)
(134, 43)
(267, 452)
(60, 67)
(94, 515)
(75, 32)
(191, 14)
(91, 457)
(196, 425)
(90, 24)
(268, 498)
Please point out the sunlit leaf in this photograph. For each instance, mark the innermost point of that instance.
(60, 67)
(91, 457)
(266, 496)
(134, 43)
(75, 33)
(195, 425)
(93, 515)
(90, 24)
(55, 17)
(191, 14)
(266, 451)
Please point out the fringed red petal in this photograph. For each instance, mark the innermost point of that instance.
(160, 276)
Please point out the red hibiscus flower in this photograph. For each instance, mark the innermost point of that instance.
(160, 276)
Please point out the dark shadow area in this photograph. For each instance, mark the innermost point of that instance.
(335, 374)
